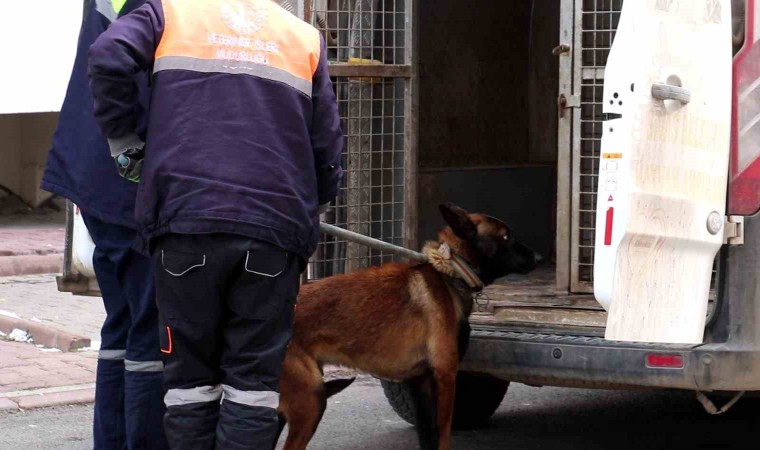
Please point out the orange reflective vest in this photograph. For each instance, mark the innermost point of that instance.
(238, 36)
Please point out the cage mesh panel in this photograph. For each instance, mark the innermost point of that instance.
(599, 21)
(372, 109)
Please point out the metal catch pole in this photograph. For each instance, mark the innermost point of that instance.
(370, 242)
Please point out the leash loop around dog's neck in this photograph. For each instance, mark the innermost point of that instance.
(448, 262)
(466, 273)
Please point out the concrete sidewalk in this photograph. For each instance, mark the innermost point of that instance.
(33, 377)
(36, 298)
(27, 251)
(31, 240)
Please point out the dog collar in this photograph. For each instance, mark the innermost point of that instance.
(462, 268)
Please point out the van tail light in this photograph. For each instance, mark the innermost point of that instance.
(664, 361)
(744, 184)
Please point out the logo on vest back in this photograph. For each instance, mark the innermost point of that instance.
(243, 16)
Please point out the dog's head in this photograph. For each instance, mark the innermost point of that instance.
(486, 243)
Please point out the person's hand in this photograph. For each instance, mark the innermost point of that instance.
(129, 164)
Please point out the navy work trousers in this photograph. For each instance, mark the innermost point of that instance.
(227, 306)
(129, 389)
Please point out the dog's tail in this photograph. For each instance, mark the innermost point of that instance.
(333, 387)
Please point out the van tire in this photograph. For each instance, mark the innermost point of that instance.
(477, 398)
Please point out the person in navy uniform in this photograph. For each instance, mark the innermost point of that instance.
(129, 389)
(243, 150)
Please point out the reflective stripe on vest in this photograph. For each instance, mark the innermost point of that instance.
(251, 37)
(233, 67)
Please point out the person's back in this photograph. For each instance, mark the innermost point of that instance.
(243, 146)
(242, 128)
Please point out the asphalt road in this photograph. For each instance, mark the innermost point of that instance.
(529, 418)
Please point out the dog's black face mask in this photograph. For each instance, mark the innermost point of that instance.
(489, 244)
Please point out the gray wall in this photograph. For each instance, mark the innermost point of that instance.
(488, 113)
(523, 197)
(25, 140)
(488, 82)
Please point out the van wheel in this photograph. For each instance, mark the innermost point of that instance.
(477, 398)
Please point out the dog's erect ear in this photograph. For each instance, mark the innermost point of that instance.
(458, 220)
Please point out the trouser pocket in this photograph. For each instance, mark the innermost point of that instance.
(184, 285)
(265, 285)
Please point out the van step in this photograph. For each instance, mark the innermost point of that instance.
(480, 333)
(550, 316)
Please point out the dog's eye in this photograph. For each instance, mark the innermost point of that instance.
(506, 238)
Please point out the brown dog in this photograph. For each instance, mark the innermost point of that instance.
(399, 322)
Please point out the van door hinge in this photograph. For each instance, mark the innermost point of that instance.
(733, 231)
(567, 101)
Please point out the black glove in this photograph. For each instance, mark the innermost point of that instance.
(129, 164)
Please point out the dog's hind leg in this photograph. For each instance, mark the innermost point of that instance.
(304, 418)
(422, 390)
(311, 406)
(303, 398)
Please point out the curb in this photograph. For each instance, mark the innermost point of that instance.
(44, 398)
(45, 335)
(30, 264)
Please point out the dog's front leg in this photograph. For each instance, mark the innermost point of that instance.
(445, 387)
(422, 390)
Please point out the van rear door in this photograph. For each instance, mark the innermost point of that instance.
(664, 168)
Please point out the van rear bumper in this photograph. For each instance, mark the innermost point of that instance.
(593, 362)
